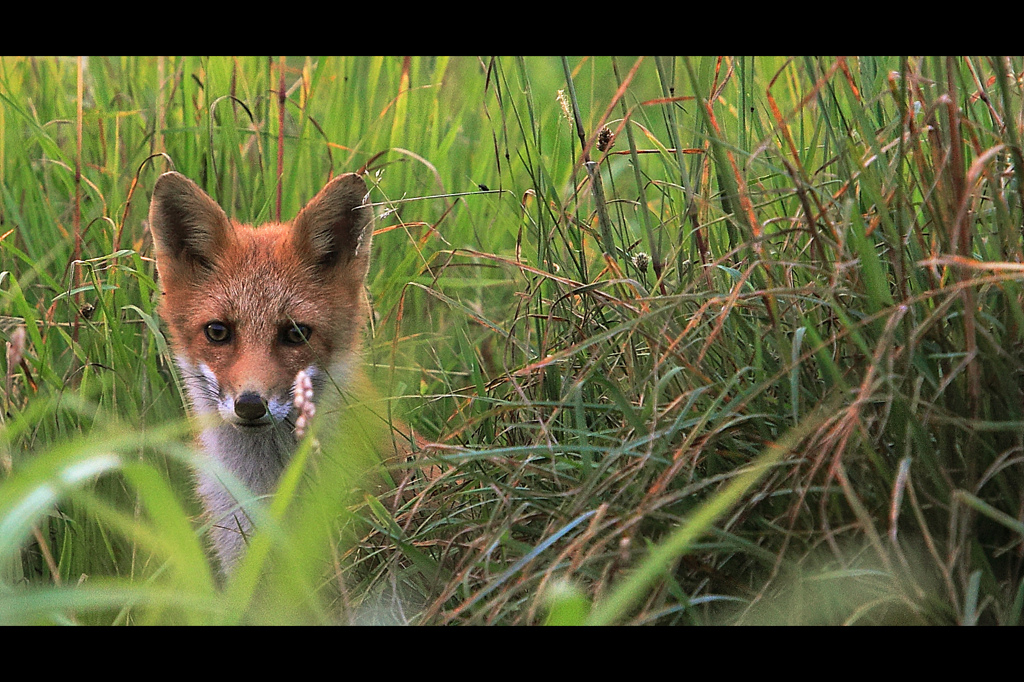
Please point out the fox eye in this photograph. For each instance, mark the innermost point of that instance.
(295, 334)
(217, 332)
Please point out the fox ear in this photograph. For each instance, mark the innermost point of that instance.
(188, 226)
(336, 226)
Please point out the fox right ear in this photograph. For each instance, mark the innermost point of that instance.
(187, 225)
(336, 226)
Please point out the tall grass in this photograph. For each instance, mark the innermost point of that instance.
(693, 340)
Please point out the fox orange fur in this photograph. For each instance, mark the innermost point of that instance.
(247, 309)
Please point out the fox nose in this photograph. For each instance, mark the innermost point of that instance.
(250, 406)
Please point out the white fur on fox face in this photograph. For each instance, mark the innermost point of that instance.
(201, 385)
(204, 390)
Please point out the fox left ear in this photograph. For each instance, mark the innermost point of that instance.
(189, 229)
(336, 226)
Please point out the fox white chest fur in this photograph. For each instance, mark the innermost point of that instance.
(247, 309)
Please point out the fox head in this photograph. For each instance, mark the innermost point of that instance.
(247, 308)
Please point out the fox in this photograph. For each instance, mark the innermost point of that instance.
(247, 310)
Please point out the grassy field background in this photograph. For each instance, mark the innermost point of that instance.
(695, 340)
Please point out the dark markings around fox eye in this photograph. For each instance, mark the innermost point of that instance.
(217, 332)
(295, 334)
